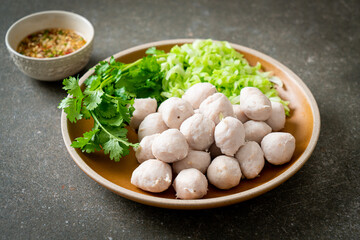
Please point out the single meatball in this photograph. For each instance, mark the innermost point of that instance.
(256, 130)
(143, 107)
(152, 175)
(170, 146)
(216, 107)
(214, 151)
(277, 117)
(255, 104)
(195, 159)
(278, 147)
(175, 110)
(198, 131)
(239, 114)
(197, 93)
(152, 123)
(251, 159)
(144, 151)
(190, 184)
(161, 107)
(229, 135)
(224, 172)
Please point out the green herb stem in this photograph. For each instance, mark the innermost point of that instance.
(111, 135)
(127, 66)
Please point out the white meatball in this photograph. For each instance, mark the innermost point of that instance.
(251, 159)
(170, 146)
(278, 147)
(152, 123)
(277, 117)
(256, 130)
(239, 113)
(214, 151)
(198, 131)
(152, 175)
(255, 104)
(161, 107)
(175, 110)
(197, 93)
(195, 159)
(224, 172)
(190, 184)
(229, 135)
(144, 151)
(216, 106)
(143, 107)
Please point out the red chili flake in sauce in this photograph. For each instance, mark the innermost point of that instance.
(50, 43)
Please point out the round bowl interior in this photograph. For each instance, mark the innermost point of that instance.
(44, 20)
(303, 123)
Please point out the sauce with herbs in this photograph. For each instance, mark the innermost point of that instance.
(50, 43)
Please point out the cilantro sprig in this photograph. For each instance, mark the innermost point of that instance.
(108, 98)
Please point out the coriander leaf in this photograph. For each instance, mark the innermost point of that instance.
(114, 148)
(93, 99)
(108, 136)
(71, 108)
(109, 89)
(103, 136)
(101, 68)
(112, 60)
(150, 64)
(107, 109)
(122, 93)
(87, 138)
(71, 84)
(143, 79)
(117, 74)
(93, 82)
(115, 64)
(91, 147)
(115, 121)
(154, 51)
(65, 102)
(72, 105)
(85, 113)
(126, 150)
(124, 111)
(117, 132)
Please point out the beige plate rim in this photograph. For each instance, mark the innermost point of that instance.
(202, 203)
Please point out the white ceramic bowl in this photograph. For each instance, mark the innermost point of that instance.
(50, 69)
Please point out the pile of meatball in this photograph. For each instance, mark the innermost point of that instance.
(202, 137)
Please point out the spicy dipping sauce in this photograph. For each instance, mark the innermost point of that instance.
(50, 43)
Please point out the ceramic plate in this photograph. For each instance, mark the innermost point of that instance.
(303, 123)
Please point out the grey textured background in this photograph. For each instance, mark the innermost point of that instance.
(44, 195)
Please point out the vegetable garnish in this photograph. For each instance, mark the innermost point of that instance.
(108, 99)
(109, 94)
(218, 63)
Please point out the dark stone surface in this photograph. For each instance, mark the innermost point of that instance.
(44, 195)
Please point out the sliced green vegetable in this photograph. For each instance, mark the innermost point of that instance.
(217, 63)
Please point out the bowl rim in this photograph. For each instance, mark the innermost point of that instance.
(211, 202)
(13, 51)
